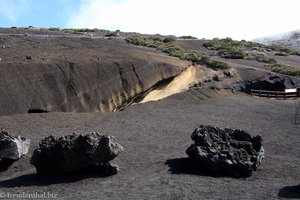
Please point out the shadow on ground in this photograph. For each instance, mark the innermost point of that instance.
(41, 180)
(187, 166)
(290, 192)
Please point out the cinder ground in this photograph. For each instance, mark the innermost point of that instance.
(155, 136)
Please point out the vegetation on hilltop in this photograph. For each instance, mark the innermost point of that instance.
(228, 48)
(188, 37)
(81, 31)
(169, 46)
(284, 69)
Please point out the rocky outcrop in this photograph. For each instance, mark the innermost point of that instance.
(76, 152)
(226, 151)
(264, 81)
(11, 149)
(78, 75)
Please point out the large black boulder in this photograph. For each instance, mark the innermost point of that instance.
(226, 151)
(76, 152)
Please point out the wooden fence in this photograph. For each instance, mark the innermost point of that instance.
(275, 94)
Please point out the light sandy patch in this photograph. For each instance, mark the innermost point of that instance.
(180, 83)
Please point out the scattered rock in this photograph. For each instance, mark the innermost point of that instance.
(76, 152)
(228, 74)
(226, 151)
(11, 149)
(109, 168)
(216, 78)
(29, 57)
(214, 87)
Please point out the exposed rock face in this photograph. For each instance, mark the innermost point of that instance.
(76, 152)
(11, 149)
(77, 75)
(267, 81)
(226, 151)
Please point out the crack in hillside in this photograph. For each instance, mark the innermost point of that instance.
(137, 76)
(124, 82)
(70, 88)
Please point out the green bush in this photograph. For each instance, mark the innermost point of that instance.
(193, 56)
(283, 69)
(265, 59)
(81, 31)
(231, 53)
(111, 34)
(297, 53)
(156, 39)
(173, 49)
(227, 48)
(54, 29)
(188, 37)
(284, 50)
(138, 40)
(213, 64)
(169, 39)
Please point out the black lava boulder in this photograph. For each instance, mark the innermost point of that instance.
(76, 152)
(226, 151)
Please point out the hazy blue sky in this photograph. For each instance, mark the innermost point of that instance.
(239, 19)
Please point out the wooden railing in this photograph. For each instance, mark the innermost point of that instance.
(274, 94)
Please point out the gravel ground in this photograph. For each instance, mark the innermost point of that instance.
(155, 136)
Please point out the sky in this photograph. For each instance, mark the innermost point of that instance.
(238, 19)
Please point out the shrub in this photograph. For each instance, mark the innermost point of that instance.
(54, 29)
(169, 39)
(193, 56)
(137, 40)
(265, 59)
(297, 53)
(284, 69)
(213, 64)
(81, 31)
(231, 53)
(111, 34)
(173, 49)
(156, 39)
(188, 37)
